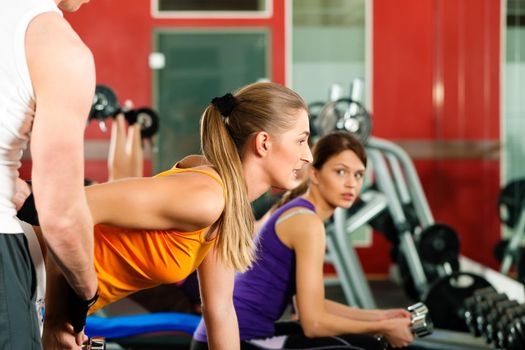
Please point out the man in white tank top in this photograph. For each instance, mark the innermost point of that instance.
(47, 83)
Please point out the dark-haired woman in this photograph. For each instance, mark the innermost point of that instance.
(290, 256)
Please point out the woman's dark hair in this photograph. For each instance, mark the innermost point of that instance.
(325, 148)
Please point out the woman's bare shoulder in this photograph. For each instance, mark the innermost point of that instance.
(298, 224)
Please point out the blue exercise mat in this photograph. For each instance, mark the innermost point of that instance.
(125, 326)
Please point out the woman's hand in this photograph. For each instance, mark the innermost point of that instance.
(58, 332)
(394, 313)
(398, 332)
(22, 191)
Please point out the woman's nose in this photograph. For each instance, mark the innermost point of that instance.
(307, 157)
(351, 181)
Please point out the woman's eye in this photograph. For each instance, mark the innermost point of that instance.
(359, 175)
(341, 172)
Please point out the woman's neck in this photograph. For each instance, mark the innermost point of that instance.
(255, 181)
(322, 208)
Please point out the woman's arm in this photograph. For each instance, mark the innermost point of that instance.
(216, 285)
(186, 201)
(134, 151)
(118, 162)
(305, 234)
(363, 314)
(125, 157)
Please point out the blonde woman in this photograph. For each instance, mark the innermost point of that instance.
(197, 215)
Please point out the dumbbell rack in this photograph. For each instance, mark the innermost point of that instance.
(496, 318)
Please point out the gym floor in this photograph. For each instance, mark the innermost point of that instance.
(386, 293)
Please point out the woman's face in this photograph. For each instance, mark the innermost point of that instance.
(340, 179)
(290, 153)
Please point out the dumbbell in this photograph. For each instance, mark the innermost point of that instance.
(147, 118)
(421, 324)
(483, 308)
(505, 322)
(471, 304)
(95, 343)
(105, 105)
(494, 316)
(511, 202)
(515, 335)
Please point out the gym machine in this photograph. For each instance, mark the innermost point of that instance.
(511, 205)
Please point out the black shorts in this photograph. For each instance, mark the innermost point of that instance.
(289, 335)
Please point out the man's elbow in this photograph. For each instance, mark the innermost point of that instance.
(58, 230)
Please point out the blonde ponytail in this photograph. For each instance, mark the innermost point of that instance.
(235, 248)
(224, 134)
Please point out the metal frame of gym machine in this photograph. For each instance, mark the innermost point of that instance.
(398, 185)
(516, 238)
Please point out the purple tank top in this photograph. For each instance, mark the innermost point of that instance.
(261, 294)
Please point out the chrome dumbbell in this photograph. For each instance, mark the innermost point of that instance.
(95, 343)
(420, 318)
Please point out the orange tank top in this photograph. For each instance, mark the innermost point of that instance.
(129, 260)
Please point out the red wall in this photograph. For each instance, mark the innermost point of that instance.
(419, 45)
(120, 35)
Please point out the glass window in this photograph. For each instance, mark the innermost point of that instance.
(211, 5)
(200, 65)
(328, 46)
(329, 50)
(513, 118)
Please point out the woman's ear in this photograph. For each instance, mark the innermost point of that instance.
(313, 174)
(262, 143)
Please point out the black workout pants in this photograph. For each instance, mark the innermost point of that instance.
(18, 320)
(295, 339)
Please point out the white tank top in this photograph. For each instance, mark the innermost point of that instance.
(17, 102)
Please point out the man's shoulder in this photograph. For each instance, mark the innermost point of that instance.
(53, 27)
